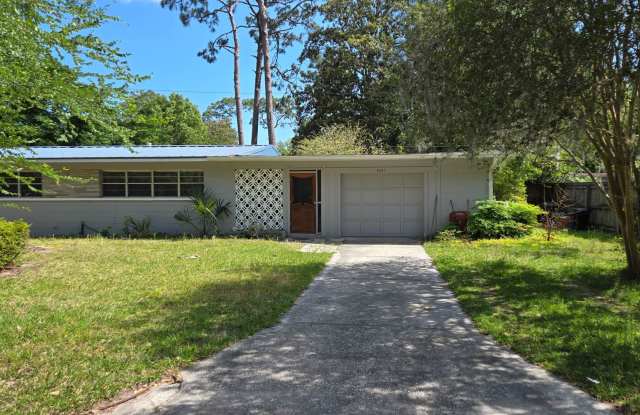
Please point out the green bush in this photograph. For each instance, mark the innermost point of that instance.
(449, 233)
(497, 219)
(13, 240)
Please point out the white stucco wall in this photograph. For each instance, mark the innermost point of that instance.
(459, 180)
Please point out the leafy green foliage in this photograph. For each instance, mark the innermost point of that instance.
(499, 219)
(157, 119)
(354, 71)
(137, 228)
(335, 140)
(93, 316)
(449, 233)
(517, 75)
(65, 80)
(13, 240)
(225, 109)
(559, 304)
(205, 213)
(510, 176)
(59, 82)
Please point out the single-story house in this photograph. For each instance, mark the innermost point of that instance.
(407, 195)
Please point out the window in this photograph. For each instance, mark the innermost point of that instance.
(165, 183)
(191, 183)
(114, 184)
(27, 184)
(152, 184)
(139, 183)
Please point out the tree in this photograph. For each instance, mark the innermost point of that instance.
(263, 22)
(354, 70)
(59, 82)
(157, 119)
(283, 32)
(203, 12)
(220, 132)
(520, 74)
(335, 140)
(223, 109)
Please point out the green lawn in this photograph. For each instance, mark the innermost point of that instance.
(560, 304)
(92, 317)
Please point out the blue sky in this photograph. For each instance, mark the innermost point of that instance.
(162, 48)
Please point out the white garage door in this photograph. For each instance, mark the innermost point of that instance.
(382, 205)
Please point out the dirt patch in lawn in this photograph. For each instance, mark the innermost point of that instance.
(13, 270)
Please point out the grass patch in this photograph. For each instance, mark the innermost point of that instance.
(92, 317)
(560, 304)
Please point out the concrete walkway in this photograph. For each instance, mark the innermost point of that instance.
(378, 332)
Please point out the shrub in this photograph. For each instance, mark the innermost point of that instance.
(497, 219)
(13, 240)
(449, 233)
(205, 213)
(134, 228)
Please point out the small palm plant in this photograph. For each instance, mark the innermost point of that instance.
(204, 213)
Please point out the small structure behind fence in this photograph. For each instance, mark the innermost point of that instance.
(581, 195)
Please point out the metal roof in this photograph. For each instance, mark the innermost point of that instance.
(144, 152)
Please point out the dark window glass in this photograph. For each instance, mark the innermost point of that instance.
(191, 189)
(114, 184)
(319, 218)
(165, 189)
(191, 183)
(191, 177)
(139, 189)
(139, 177)
(30, 184)
(303, 189)
(165, 177)
(113, 190)
(9, 186)
(113, 177)
(318, 183)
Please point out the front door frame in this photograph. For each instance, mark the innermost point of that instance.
(316, 203)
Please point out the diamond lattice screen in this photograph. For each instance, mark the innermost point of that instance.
(259, 199)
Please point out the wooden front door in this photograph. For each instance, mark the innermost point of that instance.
(303, 202)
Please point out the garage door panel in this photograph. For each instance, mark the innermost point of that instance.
(382, 205)
(369, 182)
(370, 213)
(413, 213)
(350, 213)
(371, 196)
(392, 180)
(351, 197)
(413, 180)
(390, 196)
(351, 182)
(413, 197)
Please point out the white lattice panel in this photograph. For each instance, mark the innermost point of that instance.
(259, 199)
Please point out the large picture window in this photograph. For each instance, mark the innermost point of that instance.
(26, 184)
(152, 183)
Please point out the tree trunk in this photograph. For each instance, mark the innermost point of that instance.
(255, 120)
(264, 33)
(231, 9)
(622, 192)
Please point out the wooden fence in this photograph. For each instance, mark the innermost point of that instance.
(575, 196)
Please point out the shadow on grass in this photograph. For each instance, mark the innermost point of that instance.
(191, 325)
(562, 317)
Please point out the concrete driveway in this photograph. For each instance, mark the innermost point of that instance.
(377, 332)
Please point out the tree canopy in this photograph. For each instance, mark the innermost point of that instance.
(522, 75)
(158, 119)
(354, 70)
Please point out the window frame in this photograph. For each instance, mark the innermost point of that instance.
(152, 183)
(19, 184)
